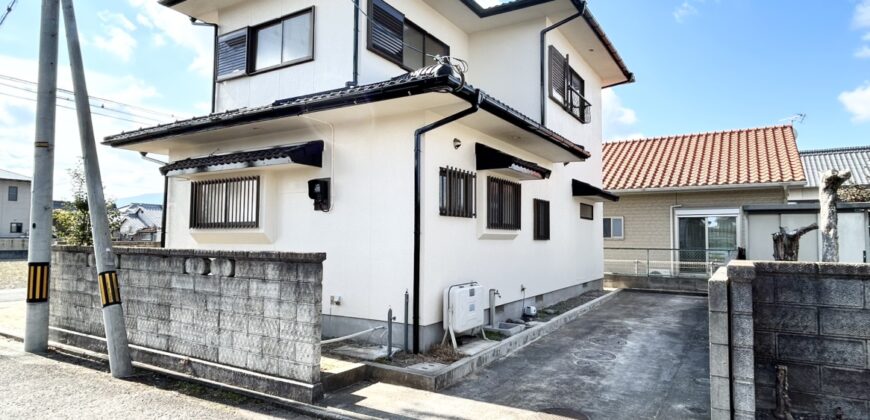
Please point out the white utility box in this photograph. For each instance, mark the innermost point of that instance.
(463, 307)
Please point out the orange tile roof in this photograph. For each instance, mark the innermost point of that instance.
(738, 157)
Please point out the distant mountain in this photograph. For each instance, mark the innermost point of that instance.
(152, 198)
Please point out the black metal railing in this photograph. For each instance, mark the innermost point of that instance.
(577, 105)
(458, 192)
(666, 262)
(503, 204)
(232, 203)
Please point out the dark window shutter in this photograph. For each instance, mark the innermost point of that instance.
(386, 29)
(557, 72)
(232, 54)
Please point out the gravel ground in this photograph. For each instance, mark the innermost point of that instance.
(64, 386)
(13, 274)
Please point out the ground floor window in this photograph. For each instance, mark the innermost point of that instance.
(587, 211)
(232, 203)
(503, 204)
(16, 228)
(457, 192)
(706, 241)
(542, 220)
(613, 228)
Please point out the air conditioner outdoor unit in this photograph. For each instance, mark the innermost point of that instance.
(463, 309)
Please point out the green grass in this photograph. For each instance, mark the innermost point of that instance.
(13, 274)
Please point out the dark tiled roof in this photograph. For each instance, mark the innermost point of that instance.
(300, 153)
(751, 156)
(855, 159)
(402, 86)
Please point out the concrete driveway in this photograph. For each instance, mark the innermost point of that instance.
(639, 356)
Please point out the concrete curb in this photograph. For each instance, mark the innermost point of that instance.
(450, 375)
(299, 407)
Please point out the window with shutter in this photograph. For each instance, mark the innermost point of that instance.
(399, 40)
(567, 87)
(232, 54)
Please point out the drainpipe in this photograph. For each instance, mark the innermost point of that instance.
(165, 195)
(193, 21)
(418, 188)
(355, 81)
(582, 9)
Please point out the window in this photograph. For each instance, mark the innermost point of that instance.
(613, 228)
(399, 40)
(16, 228)
(12, 195)
(587, 211)
(568, 88)
(503, 204)
(232, 54)
(457, 192)
(287, 41)
(225, 203)
(542, 220)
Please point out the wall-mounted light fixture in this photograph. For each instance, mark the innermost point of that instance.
(457, 143)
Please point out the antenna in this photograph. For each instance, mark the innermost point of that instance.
(799, 118)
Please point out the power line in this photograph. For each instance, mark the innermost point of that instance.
(150, 111)
(73, 108)
(8, 11)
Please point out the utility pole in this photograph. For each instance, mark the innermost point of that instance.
(41, 204)
(107, 278)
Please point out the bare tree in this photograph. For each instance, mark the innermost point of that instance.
(787, 244)
(830, 182)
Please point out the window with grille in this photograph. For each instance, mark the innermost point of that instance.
(225, 203)
(587, 211)
(457, 192)
(503, 204)
(542, 219)
(16, 227)
(568, 88)
(399, 40)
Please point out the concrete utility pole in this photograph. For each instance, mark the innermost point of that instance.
(41, 205)
(110, 291)
(830, 182)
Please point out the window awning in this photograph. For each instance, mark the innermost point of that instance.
(503, 163)
(309, 153)
(582, 189)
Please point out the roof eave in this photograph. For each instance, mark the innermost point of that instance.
(611, 49)
(708, 188)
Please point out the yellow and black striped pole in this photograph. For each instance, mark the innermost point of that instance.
(37, 282)
(110, 292)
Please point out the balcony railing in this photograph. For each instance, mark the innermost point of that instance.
(666, 262)
(577, 105)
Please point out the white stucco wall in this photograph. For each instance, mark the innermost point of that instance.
(14, 211)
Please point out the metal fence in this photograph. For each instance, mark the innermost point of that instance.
(666, 262)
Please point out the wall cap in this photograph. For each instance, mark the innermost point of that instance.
(296, 257)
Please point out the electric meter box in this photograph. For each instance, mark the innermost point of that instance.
(463, 307)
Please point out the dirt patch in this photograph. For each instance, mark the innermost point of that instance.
(13, 274)
(560, 308)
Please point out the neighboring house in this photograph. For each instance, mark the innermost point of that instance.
(14, 205)
(320, 141)
(803, 209)
(686, 193)
(141, 222)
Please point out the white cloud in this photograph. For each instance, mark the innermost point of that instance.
(684, 10)
(144, 21)
(177, 28)
(863, 52)
(866, 37)
(124, 173)
(117, 39)
(857, 102)
(862, 15)
(618, 120)
(158, 40)
(116, 19)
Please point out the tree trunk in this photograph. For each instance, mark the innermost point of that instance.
(830, 182)
(787, 244)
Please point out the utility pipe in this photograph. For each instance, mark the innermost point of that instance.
(355, 80)
(492, 294)
(118, 348)
(348, 337)
(41, 205)
(582, 9)
(165, 198)
(418, 190)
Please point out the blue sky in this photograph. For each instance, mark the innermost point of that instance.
(701, 65)
(726, 64)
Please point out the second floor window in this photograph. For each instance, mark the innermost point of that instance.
(568, 88)
(287, 41)
(12, 195)
(225, 203)
(399, 40)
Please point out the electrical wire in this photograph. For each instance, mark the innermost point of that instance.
(8, 11)
(73, 108)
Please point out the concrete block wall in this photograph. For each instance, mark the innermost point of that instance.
(258, 311)
(813, 318)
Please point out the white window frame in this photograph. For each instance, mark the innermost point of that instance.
(712, 212)
(611, 237)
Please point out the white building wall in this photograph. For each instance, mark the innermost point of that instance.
(852, 229)
(14, 211)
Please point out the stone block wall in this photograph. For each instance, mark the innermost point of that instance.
(813, 318)
(258, 311)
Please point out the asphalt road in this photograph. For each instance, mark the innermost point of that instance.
(12, 295)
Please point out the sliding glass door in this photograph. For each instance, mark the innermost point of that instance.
(705, 241)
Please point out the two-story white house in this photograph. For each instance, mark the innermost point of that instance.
(335, 130)
(14, 205)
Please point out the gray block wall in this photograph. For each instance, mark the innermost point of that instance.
(258, 311)
(813, 318)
